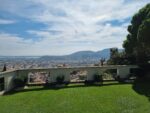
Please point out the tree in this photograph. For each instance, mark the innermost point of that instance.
(119, 58)
(4, 68)
(137, 43)
(102, 60)
(114, 54)
(114, 57)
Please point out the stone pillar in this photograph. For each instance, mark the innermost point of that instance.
(92, 72)
(8, 79)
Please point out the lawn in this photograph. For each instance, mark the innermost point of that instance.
(109, 98)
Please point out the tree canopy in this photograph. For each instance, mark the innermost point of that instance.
(119, 58)
(137, 43)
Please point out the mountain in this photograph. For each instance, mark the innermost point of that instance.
(81, 55)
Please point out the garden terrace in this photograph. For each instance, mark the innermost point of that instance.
(7, 78)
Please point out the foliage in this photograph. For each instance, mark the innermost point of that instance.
(19, 82)
(60, 79)
(4, 68)
(137, 43)
(138, 72)
(102, 60)
(119, 58)
(1, 84)
(1, 87)
(113, 56)
(97, 77)
(119, 79)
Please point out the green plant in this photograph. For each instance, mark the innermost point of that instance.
(2, 84)
(97, 77)
(19, 82)
(120, 80)
(60, 79)
(1, 87)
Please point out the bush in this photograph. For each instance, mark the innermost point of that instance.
(60, 79)
(97, 78)
(1, 87)
(19, 82)
(121, 80)
(2, 84)
(138, 72)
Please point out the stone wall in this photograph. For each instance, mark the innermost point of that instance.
(8, 80)
(122, 71)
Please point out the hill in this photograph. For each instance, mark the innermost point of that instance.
(82, 55)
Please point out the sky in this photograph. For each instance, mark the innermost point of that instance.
(60, 27)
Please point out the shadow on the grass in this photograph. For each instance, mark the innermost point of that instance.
(78, 85)
(142, 87)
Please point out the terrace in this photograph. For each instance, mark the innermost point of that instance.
(71, 75)
(111, 97)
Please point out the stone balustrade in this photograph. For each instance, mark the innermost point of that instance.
(122, 71)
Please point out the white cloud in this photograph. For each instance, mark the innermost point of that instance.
(4, 21)
(72, 25)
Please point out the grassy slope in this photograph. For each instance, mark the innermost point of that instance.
(94, 99)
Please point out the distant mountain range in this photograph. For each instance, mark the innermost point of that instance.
(82, 55)
(77, 56)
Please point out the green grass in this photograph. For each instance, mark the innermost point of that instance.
(109, 98)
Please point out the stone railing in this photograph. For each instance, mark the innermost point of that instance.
(7, 77)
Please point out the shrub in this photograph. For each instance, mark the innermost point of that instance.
(20, 82)
(1, 87)
(97, 77)
(138, 72)
(60, 79)
(121, 80)
(2, 84)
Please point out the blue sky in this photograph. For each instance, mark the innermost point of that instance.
(58, 27)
